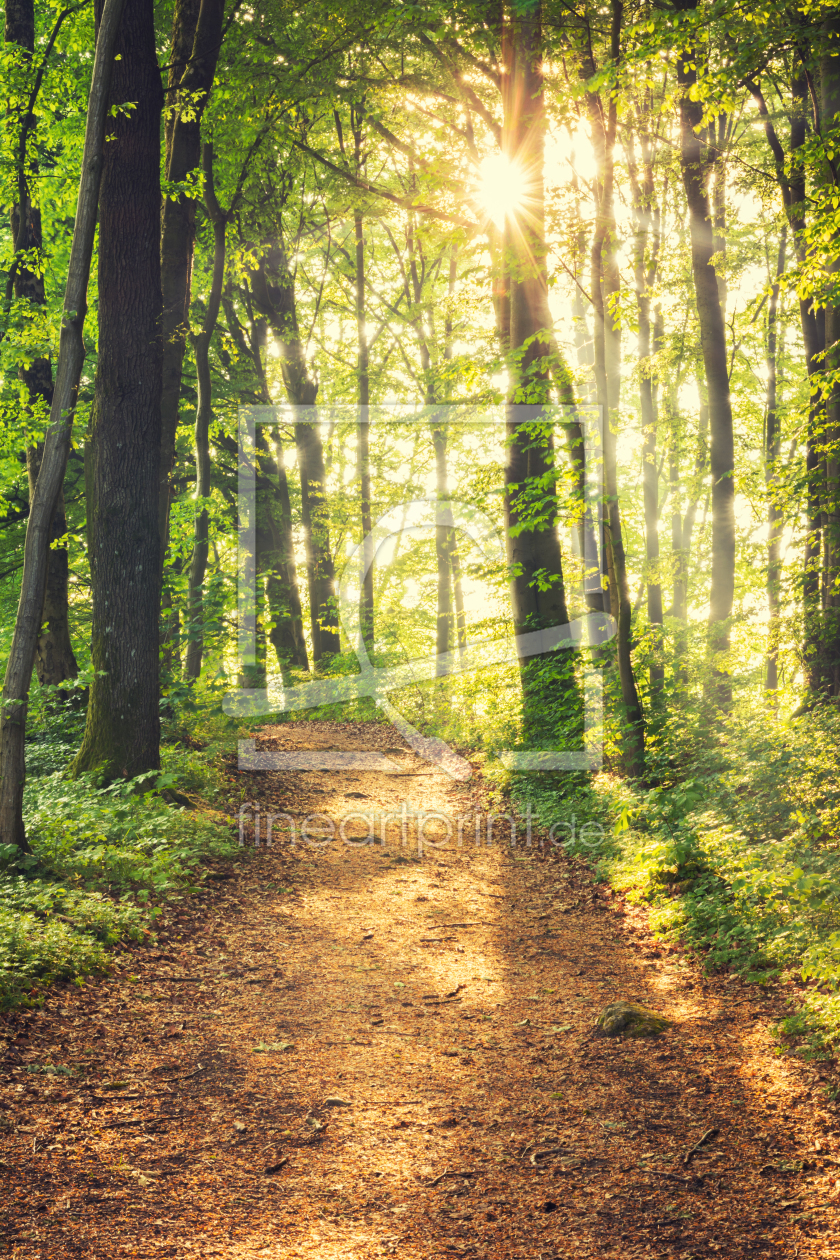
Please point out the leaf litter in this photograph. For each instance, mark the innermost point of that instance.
(698, 1143)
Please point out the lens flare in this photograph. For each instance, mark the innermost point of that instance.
(501, 188)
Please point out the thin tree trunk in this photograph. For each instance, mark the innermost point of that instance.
(719, 128)
(606, 286)
(460, 620)
(55, 661)
(71, 356)
(695, 171)
(652, 512)
(203, 416)
(772, 447)
(537, 589)
(272, 286)
(274, 503)
(275, 555)
(196, 40)
(363, 448)
(829, 648)
(366, 615)
(645, 265)
(122, 733)
(443, 541)
(791, 180)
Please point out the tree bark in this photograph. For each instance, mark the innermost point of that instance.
(537, 588)
(71, 356)
(695, 172)
(275, 509)
(196, 40)
(203, 416)
(366, 614)
(792, 184)
(122, 734)
(645, 264)
(275, 555)
(444, 538)
(272, 286)
(772, 447)
(829, 647)
(606, 286)
(55, 661)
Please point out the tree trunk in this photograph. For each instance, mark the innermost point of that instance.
(682, 527)
(273, 500)
(203, 416)
(71, 356)
(363, 448)
(275, 557)
(122, 734)
(645, 265)
(55, 661)
(444, 538)
(695, 171)
(272, 286)
(829, 648)
(537, 589)
(196, 40)
(791, 182)
(772, 447)
(606, 286)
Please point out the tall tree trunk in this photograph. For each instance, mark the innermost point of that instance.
(695, 171)
(363, 448)
(71, 357)
(537, 589)
(196, 40)
(444, 538)
(274, 505)
(272, 286)
(719, 135)
(122, 734)
(829, 652)
(357, 160)
(460, 620)
(772, 447)
(791, 180)
(792, 183)
(645, 265)
(55, 661)
(275, 555)
(606, 286)
(203, 416)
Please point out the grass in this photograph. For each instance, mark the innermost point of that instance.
(734, 845)
(105, 858)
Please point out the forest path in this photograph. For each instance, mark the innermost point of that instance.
(354, 1053)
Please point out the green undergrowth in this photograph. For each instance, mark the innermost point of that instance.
(106, 858)
(734, 845)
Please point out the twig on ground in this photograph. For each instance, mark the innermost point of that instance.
(446, 1173)
(707, 1137)
(656, 1172)
(558, 1150)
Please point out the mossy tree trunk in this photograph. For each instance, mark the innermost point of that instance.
(122, 734)
(71, 357)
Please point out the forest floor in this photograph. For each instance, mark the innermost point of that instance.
(343, 1052)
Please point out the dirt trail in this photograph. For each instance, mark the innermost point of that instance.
(353, 1052)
